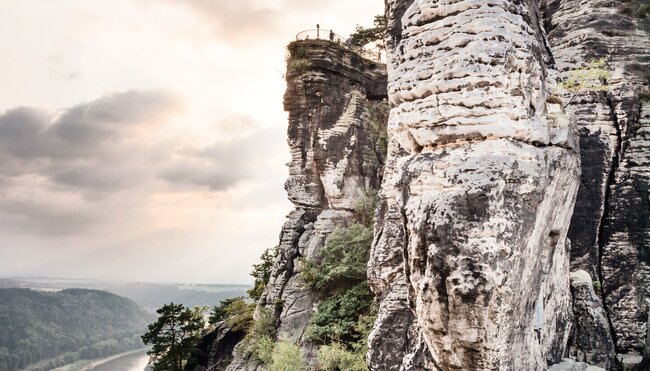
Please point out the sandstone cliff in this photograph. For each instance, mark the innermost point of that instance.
(337, 120)
(610, 226)
(514, 224)
(483, 173)
(470, 252)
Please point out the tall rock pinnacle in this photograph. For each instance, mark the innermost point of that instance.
(482, 175)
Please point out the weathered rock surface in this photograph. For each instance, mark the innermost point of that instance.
(611, 223)
(471, 260)
(216, 349)
(571, 365)
(481, 179)
(337, 120)
(591, 340)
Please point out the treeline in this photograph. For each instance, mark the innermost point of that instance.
(41, 331)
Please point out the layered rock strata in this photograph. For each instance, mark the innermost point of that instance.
(482, 174)
(610, 229)
(337, 108)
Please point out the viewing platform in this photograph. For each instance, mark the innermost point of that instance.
(372, 53)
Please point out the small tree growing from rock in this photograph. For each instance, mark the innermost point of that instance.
(593, 77)
(376, 34)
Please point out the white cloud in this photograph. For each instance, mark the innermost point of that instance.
(147, 184)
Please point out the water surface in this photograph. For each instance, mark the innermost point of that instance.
(129, 362)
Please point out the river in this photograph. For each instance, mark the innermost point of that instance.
(136, 361)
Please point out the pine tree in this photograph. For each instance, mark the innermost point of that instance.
(174, 337)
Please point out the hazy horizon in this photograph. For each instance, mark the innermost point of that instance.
(145, 140)
(28, 277)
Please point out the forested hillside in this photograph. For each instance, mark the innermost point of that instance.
(40, 331)
(149, 295)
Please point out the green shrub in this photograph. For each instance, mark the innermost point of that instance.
(644, 11)
(593, 77)
(296, 50)
(337, 357)
(262, 349)
(338, 316)
(258, 342)
(287, 356)
(298, 58)
(365, 206)
(262, 273)
(299, 65)
(344, 260)
(376, 34)
(226, 309)
(239, 315)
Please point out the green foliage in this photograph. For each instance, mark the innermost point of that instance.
(262, 273)
(597, 286)
(258, 342)
(365, 206)
(297, 60)
(220, 312)
(239, 315)
(593, 77)
(296, 50)
(338, 316)
(376, 34)
(346, 312)
(644, 17)
(43, 331)
(344, 260)
(298, 65)
(261, 348)
(235, 311)
(340, 356)
(337, 357)
(287, 356)
(174, 337)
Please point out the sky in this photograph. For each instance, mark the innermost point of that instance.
(145, 140)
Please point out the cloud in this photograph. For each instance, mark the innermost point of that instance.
(226, 163)
(86, 130)
(64, 174)
(238, 22)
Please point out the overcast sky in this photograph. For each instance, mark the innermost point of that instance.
(145, 139)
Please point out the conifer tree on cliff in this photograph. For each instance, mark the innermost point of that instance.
(174, 337)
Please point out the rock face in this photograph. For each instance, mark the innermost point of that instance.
(480, 260)
(482, 174)
(590, 338)
(216, 349)
(610, 229)
(337, 120)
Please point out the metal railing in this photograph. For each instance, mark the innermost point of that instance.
(320, 34)
(374, 53)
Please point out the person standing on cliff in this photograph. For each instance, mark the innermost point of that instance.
(331, 35)
(317, 30)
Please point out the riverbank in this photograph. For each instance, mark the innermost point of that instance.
(135, 360)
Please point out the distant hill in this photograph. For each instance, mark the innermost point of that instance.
(153, 296)
(44, 330)
(149, 295)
